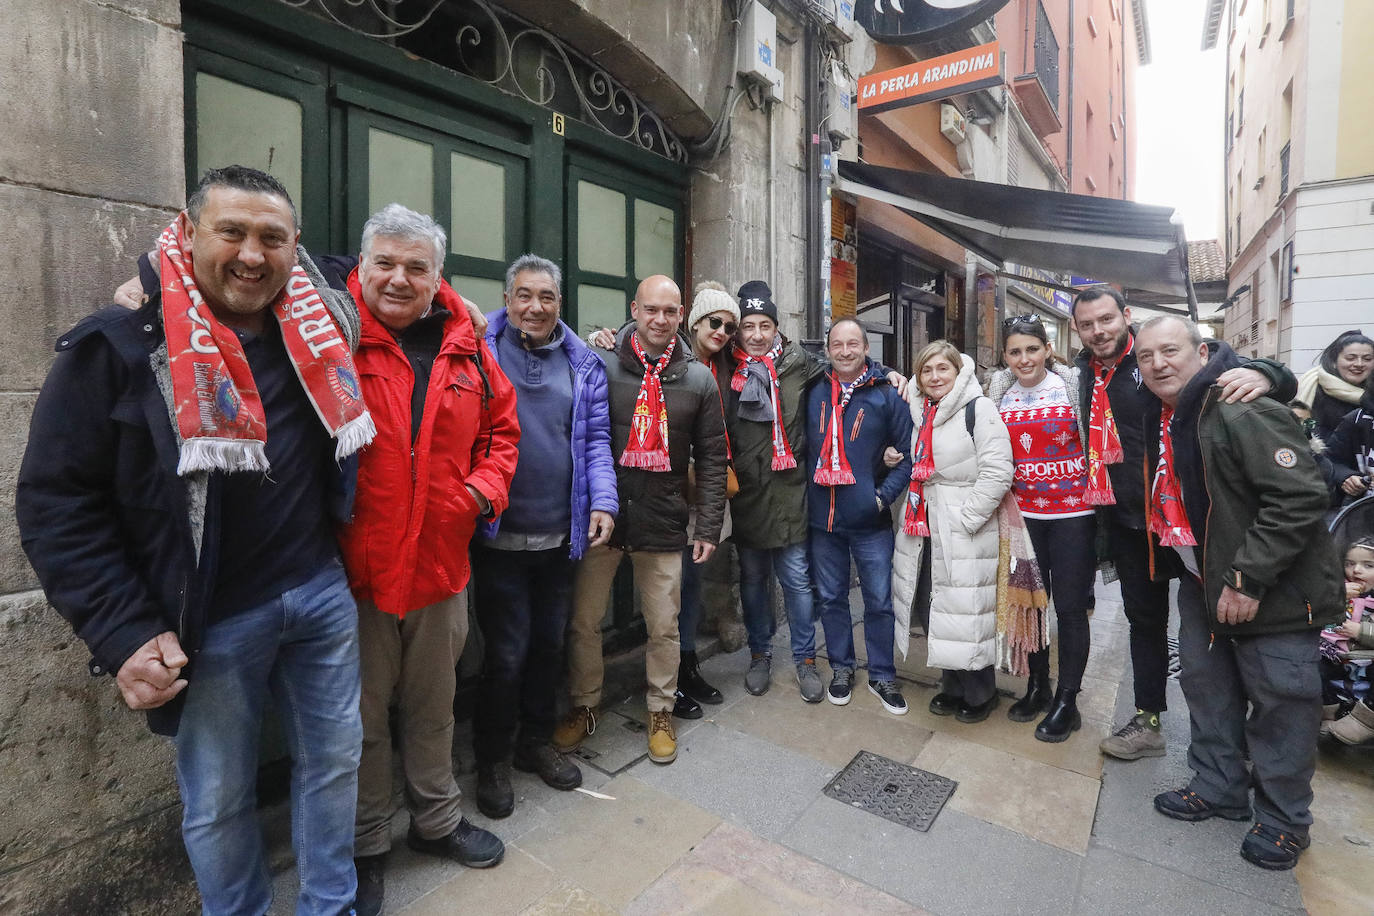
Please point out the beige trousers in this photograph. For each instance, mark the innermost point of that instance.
(412, 659)
(658, 577)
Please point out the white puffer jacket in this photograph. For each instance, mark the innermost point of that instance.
(972, 474)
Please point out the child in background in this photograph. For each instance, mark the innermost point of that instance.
(1347, 650)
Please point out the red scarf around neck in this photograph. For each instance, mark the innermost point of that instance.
(922, 467)
(648, 445)
(832, 467)
(783, 459)
(1167, 519)
(1104, 445)
(219, 415)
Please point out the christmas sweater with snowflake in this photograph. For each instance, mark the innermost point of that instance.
(1051, 469)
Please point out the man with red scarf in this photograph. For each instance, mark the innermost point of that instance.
(443, 459)
(1233, 491)
(1113, 401)
(665, 408)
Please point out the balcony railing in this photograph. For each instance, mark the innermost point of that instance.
(1283, 168)
(1047, 56)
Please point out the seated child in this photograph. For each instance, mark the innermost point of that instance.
(1347, 650)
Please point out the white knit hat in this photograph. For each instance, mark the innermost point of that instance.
(711, 297)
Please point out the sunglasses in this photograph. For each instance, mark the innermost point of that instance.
(1012, 320)
(715, 324)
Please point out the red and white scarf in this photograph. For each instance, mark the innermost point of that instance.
(783, 459)
(1104, 445)
(1167, 519)
(922, 466)
(219, 413)
(648, 445)
(832, 467)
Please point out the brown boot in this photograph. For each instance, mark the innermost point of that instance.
(574, 729)
(662, 738)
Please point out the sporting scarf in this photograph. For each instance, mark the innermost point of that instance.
(648, 445)
(755, 368)
(922, 466)
(1104, 445)
(832, 467)
(1168, 520)
(219, 414)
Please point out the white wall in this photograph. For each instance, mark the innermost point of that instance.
(1333, 249)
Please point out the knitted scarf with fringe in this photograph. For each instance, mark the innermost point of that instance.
(1022, 604)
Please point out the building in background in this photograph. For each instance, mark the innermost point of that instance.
(1299, 166)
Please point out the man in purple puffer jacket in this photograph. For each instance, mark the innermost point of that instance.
(562, 500)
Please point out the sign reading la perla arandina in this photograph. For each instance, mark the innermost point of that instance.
(937, 78)
(907, 21)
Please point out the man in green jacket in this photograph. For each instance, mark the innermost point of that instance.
(1233, 491)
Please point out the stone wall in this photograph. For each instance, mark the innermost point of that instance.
(91, 168)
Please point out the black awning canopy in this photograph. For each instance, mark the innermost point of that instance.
(1138, 246)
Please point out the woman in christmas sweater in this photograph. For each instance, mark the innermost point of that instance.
(1036, 396)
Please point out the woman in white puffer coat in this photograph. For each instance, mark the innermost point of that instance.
(950, 576)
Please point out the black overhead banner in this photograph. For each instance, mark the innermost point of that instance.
(905, 21)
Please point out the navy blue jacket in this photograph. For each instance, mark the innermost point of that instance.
(875, 418)
(103, 516)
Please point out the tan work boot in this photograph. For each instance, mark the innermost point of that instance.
(574, 729)
(662, 738)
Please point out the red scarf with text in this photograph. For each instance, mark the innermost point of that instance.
(783, 459)
(1104, 445)
(1167, 519)
(648, 445)
(832, 467)
(219, 413)
(922, 466)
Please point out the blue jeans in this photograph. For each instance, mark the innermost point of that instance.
(872, 553)
(793, 568)
(302, 649)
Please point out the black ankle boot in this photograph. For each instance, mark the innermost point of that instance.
(690, 682)
(684, 707)
(1037, 699)
(1063, 719)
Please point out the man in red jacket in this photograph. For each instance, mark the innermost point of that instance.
(444, 455)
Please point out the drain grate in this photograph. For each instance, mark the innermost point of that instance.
(900, 793)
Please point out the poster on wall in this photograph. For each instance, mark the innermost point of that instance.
(844, 256)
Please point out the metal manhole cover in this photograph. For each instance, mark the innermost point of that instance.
(900, 793)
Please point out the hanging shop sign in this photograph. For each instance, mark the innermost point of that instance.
(1051, 298)
(937, 78)
(905, 21)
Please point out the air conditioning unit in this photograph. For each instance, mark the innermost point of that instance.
(837, 17)
(952, 124)
(758, 41)
(839, 105)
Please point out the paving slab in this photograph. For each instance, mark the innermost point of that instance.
(743, 779)
(567, 900)
(1122, 885)
(962, 866)
(733, 871)
(1043, 802)
(508, 888)
(1336, 873)
(615, 849)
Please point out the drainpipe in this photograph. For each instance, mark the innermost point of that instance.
(1068, 148)
(811, 180)
(1125, 139)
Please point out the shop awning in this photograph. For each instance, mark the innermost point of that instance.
(1138, 246)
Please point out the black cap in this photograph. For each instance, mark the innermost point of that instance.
(755, 298)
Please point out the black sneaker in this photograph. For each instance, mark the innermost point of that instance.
(1187, 805)
(467, 845)
(557, 771)
(841, 686)
(371, 885)
(888, 694)
(495, 798)
(1272, 848)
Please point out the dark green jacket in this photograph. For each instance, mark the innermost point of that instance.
(770, 509)
(1255, 500)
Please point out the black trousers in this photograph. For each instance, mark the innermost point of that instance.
(1064, 549)
(1147, 610)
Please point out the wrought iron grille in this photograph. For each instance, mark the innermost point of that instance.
(1046, 56)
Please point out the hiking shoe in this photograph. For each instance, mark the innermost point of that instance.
(557, 771)
(969, 714)
(574, 729)
(944, 704)
(468, 845)
(809, 681)
(495, 798)
(1187, 805)
(841, 686)
(756, 678)
(662, 738)
(371, 885)
(1138, 738)
(888, 694)
(1272, 848)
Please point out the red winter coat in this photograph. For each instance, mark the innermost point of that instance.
(407, 546)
